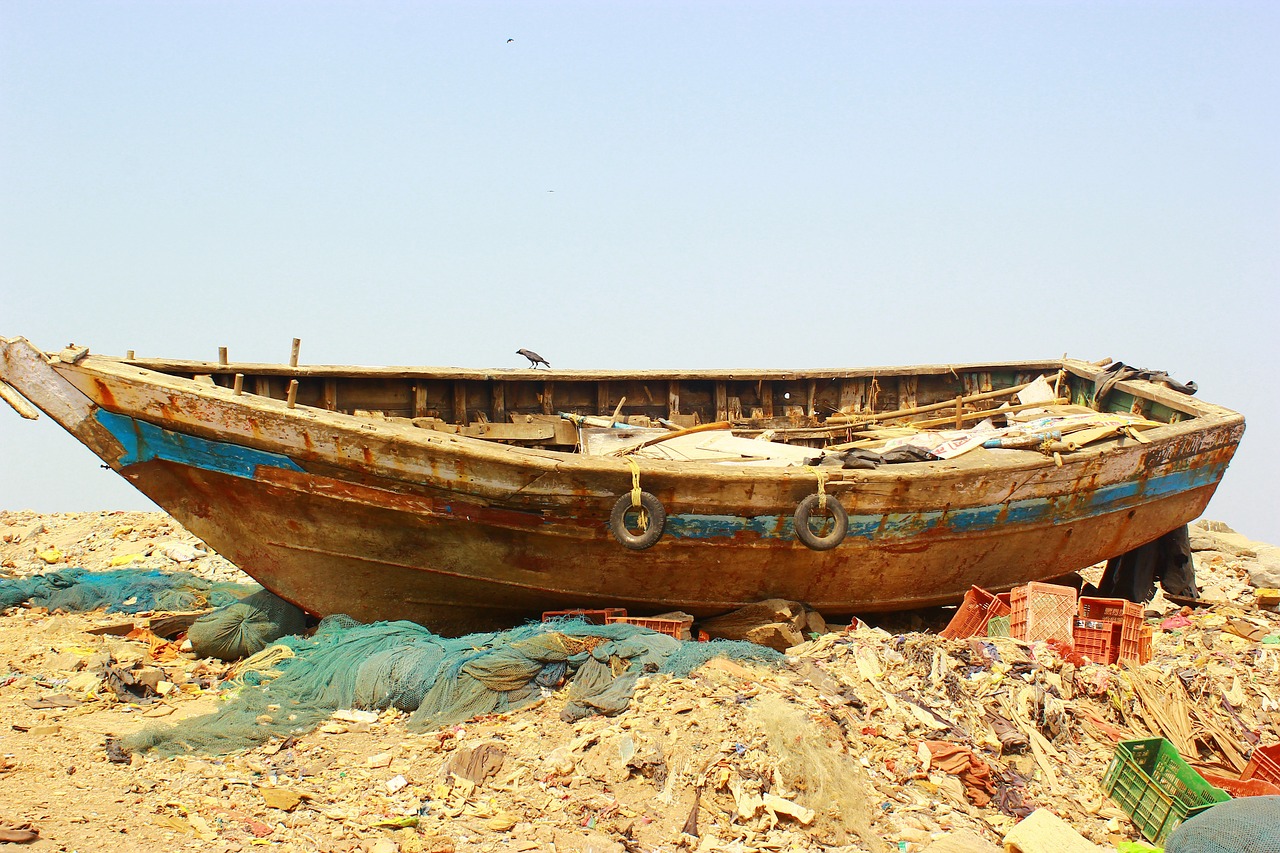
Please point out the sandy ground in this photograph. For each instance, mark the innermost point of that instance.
(835, 737)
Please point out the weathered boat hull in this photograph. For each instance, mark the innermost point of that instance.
(381, 523)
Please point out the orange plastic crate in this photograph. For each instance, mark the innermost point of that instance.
(1092, 639)
(1126, 614)
(1043, 611)
(594, 617)
(973, 614)
(681, 629)
(1144, 650)
(1264, 764)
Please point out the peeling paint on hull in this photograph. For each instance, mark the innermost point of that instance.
(339, 514)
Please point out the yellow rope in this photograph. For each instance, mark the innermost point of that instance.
(643, 519)
(822, 486)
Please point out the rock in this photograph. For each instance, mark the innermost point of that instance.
(777, 635)
(1228, 543)
(775, 622)
(1211, 526)
(180, 552)
(1265, 570)
(281, 798)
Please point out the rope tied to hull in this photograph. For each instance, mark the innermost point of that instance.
(643, 519)
(822, 485)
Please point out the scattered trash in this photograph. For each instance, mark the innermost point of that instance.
(863, 738)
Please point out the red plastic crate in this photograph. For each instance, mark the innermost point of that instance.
(1042, 611)
(594, 617)
(973, 614)
(1242, 787)
(1264, 764)
(1092, 638)
(681, 629)
(1126, 614)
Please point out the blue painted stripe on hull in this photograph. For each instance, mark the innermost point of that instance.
(898, 526)
(144, 441)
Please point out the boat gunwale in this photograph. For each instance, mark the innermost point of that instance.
(1205, 417)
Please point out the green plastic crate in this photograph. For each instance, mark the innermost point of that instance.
(998, 626)
(1155, 787)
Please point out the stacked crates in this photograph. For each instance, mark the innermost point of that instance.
(1043, 611)
(1124, 621)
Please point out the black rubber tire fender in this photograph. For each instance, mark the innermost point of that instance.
(651, 534)
(806, 535)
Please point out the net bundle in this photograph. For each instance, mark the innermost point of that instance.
(439, 681)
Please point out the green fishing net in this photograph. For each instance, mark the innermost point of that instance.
(440, 681)
(77, 590)
(1246, 825)
(245, 627)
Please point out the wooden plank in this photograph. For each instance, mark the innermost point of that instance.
(510, 432)
(722, 401)
(810, 392)
(262, 386)
(18, 402)
(766, 398)
(565, 432)
(907, 386)
(499, 408)
(853, 394)
(460, 402)
(602, 398)
(548, 405)
(673, 398)
(181, 366)
(329, 398)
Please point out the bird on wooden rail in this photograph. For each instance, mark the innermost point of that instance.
(534, 358)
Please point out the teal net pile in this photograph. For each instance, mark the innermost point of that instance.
(245, 627)
(77, 590)
(1246, 825)
(438, 680)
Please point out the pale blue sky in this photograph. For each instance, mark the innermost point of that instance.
(644, 185)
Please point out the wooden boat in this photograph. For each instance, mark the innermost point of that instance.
(461, 498)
